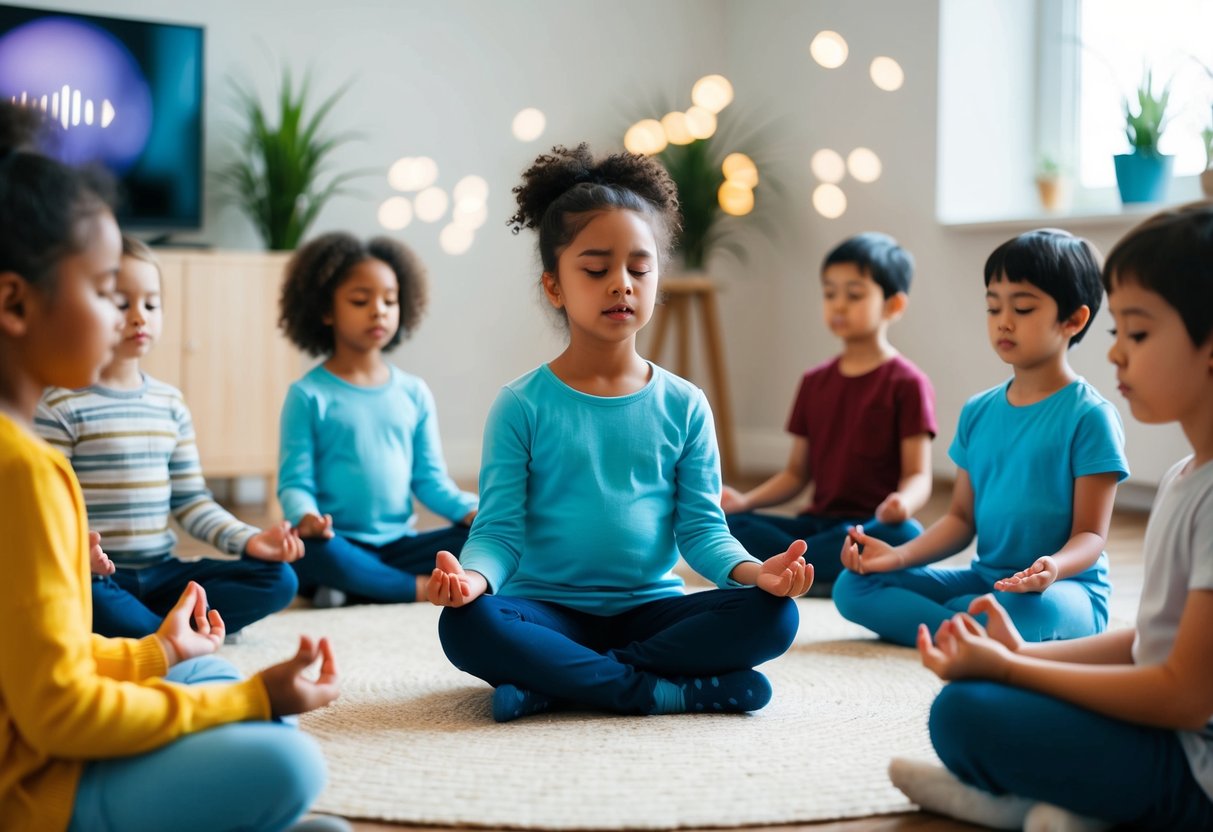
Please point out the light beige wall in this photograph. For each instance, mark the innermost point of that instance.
(445, 78)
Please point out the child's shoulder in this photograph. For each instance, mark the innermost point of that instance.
(901, 369)
(24, 457)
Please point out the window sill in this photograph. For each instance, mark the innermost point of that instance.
(1121, 218)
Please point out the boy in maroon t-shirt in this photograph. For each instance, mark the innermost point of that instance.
(863, 423)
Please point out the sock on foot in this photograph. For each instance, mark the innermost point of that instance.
(326, 598)
(511, 702)
(733, 693)
(1045, 817)
(936, 789)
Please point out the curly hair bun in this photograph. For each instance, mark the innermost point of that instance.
(552, 175)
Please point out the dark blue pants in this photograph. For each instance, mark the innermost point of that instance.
(1007, 740)
(613, 661)
(375, 574)
(767, 535)
(131, 603)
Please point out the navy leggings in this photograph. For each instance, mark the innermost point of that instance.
(132, 602)
(767, 535)
(375, 574)
(613, 662)
(1007, 740)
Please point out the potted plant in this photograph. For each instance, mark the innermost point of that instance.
(276, 180)
(1051, 184)
(1142, 175)
(716, 182)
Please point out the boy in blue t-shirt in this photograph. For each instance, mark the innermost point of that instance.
(1038, 460)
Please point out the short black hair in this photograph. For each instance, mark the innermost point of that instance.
(878, 256)
(42, 202)
(1171, 254)
(1063, 266)
(319, 267)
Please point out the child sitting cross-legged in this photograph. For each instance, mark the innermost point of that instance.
(1038, 459)
(863, 423)
(1115, 729)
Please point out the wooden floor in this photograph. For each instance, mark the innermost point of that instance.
(1124, 551)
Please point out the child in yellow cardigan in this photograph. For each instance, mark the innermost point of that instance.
(95, 732)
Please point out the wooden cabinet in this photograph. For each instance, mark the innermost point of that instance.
(222, 347)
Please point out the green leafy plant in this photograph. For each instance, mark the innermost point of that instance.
(1145, 127)
(1048, 168)
(1206, 136)
(277, 179)
(697, 173)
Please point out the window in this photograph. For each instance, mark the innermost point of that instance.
(1120, 37)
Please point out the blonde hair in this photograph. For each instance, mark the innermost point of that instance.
(140, 251)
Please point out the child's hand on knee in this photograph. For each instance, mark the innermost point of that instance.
(451, 586)
(290, 692)
(893, 510)
(962, 650)
(181, 641)
(1036, 578)
(787, 575)
(999, 625)
(877, 556)
(277, 543)
(313, 525)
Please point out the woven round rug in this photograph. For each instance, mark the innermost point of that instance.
(411, 739)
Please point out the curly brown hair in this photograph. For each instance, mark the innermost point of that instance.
(561, 191)
(320, 266)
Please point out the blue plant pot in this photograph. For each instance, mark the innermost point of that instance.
(1142, 177)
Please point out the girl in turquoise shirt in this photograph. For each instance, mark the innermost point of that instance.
(599, 470)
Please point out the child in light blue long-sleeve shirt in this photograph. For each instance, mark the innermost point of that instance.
(360, 436)
(600, 468)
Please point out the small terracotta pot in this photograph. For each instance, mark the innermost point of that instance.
(1206, 183)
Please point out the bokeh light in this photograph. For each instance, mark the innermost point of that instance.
(887, 74)
(735, 199)
(455, 238)
(828, 166)
(740, 168)
(471, 189)
(431, 204)
(646, 137)
(701, 122)
(712, 92)
(412, 173)
(830, 201)
(829, 49)
(529, 124)
(863, 164)
(676, 130)
(395, 213)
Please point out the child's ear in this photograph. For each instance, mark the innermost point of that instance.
(14, 304)
(1074, 324)
(895, 306)
(551, 290)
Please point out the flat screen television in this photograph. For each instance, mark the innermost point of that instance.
(128, 94)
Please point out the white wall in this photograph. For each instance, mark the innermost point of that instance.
(444, 79)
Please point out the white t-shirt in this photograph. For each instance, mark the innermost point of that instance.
(1178, 559)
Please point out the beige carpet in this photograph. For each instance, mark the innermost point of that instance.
(411, 738)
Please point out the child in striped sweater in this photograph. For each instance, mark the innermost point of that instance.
(131, 442)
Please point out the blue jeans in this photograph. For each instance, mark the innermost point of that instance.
(1007, 740)
(613, 662)
(245, 775)
(893, 604)
(131, 603)
(375, 574)
(767, 535)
